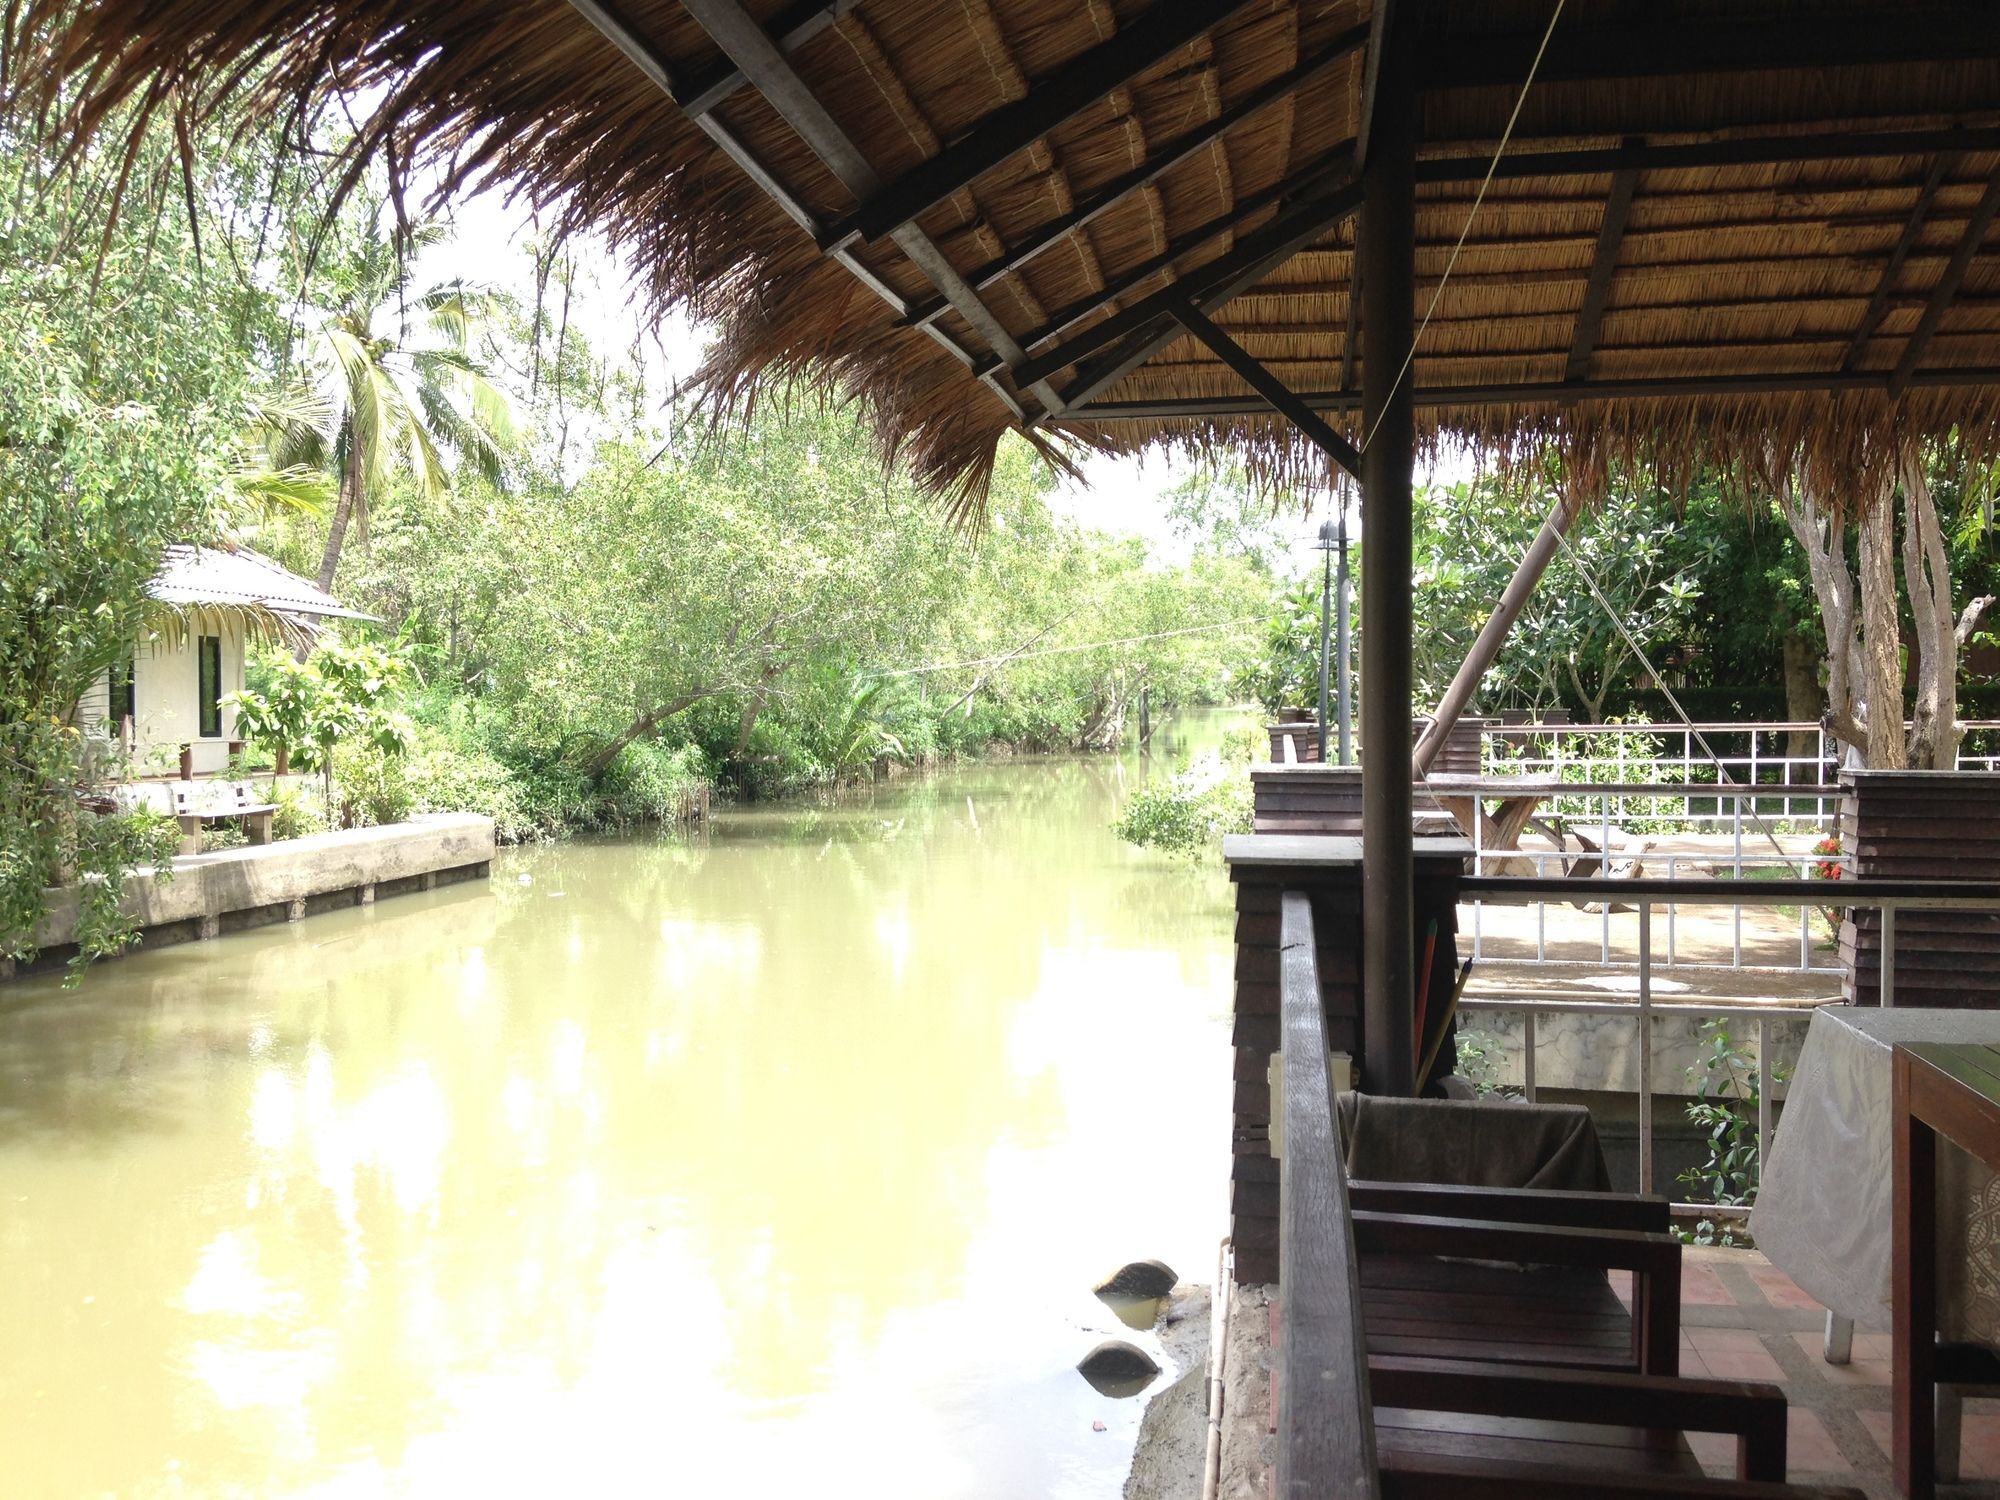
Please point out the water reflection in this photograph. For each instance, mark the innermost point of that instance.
(675, 1167)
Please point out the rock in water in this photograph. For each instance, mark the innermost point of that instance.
(1139, 1278)
(1117, 1368)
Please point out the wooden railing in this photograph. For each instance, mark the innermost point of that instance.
(1326, 1426)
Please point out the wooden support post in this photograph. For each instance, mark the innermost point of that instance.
(1492, 636)
(1388, 233)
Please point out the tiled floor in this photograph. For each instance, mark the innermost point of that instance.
(1743, 1319)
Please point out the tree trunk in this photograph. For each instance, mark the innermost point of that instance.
(1802, 705)
(1824, 540)
(599, 763)
(343, 512)
(1934, 728)
(1881, 639)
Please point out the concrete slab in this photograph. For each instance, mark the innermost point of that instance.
(204, 888)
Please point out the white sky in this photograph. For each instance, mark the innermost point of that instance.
(1123, 496)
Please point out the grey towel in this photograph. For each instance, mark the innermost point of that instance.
(1459, 1143)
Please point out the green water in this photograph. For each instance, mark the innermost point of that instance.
(778, 1161)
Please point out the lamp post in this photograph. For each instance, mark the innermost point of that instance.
(1333, 539)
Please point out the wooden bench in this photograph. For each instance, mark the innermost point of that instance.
(1357, 1422)
(1517, 1276)
(236, 804)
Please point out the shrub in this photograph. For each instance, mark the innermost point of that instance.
(650, 782)
(1188, 812)
(369, 786)
(299, 812)
(442, 775)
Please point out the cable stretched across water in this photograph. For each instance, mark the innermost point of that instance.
(1009, 656)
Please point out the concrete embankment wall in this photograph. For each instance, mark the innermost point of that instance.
(232, 889)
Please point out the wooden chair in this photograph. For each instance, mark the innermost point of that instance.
(1517, 1276)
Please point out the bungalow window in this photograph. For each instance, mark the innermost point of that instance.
(124, 700)
(210, 700)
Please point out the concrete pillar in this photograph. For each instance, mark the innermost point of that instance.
(295, 911)
(366, 895)
(209, 926)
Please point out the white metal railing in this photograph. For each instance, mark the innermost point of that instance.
(1756, 752)
(1886, 896)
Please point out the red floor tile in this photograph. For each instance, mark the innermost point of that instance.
(1811, 1447)
(1734, 1354)
(1780, 1290)
(1700, 1287)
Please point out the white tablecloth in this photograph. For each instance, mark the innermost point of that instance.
(1823, 1213)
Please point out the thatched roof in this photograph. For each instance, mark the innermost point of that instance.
(1728, 225)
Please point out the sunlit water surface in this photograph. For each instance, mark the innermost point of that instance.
(775, 1162)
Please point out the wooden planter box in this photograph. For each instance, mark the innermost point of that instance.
(1923, 825)
(1262, 871)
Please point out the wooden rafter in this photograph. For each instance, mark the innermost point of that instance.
(1272, 389)
(737, 33)
(1551, 391)
(1149, 171)
(1743, 151)
(1604, 263)
(1214, 285)
(655, 66)
(1947, 284)
(1301, 185)
(1163, 29)
(1348, 345)
(791, 28)
(1878, 304)
(1260, 251)
(1667, 45)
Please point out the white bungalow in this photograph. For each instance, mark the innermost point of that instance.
(165, 699)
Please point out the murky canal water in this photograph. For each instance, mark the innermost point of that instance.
(774, 1163)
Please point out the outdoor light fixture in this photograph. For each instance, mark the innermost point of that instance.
(1332, 540)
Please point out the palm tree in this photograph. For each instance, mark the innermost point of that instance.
(396, 374)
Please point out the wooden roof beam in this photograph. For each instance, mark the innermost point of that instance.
(1161, 30)
(1604, 263)
(697, 92)
(1208, 285)
(1383, 16)
(1947, 285)
(791, 29)
(1272, 389)
(1298, 186)
(1878, 304)
(1537, 393)
(654, 65)
(745, 42)
(1671, 47)
(1169, 156)
(1250, 263)
(1748, 151)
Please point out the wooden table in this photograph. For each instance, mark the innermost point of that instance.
(1941, 1089)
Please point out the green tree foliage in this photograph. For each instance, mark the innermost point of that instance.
(395, 385)
(122, 391)
(342, 696)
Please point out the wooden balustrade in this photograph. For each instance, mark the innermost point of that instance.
(1326, 1424)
